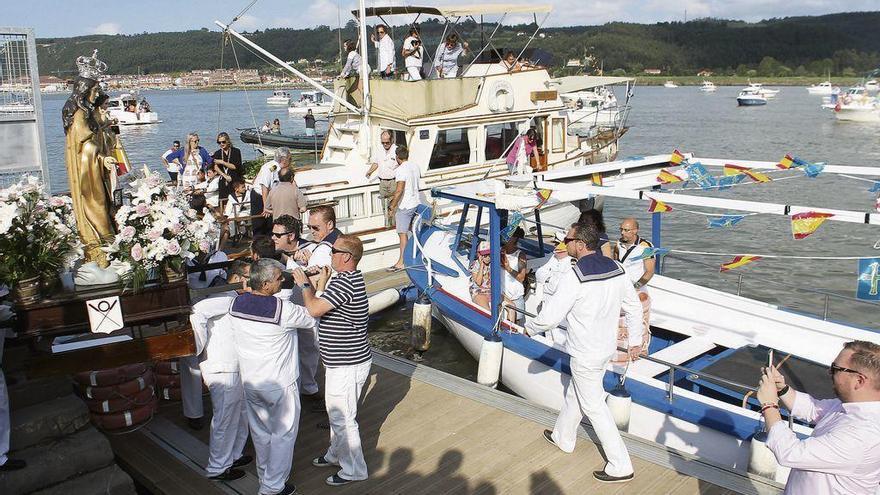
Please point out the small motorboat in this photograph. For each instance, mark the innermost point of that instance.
(270, 140)
(750, 97)
(872, 86)
(127, 110)
(708, 87)
(311, 100)
(823, 88)
(765, 92)
(279, 98)
(670, 84)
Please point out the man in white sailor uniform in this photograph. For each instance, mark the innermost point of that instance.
(219, 365)
(547, 278)
(589, 298)
(264, 329)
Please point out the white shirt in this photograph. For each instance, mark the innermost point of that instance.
(842, 456)
(386, 53)
(194, 279)
(212, 192)
(409, 173)
(238, 206)
(267, 353)
(190, 175)
(513, 288)
(550, 273)
(386, 162)
(172, 165)
(266, 176)
(590, 304)
(416, 58)
(626, 255)
(213, 335)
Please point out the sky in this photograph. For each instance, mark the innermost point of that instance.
(63, 18)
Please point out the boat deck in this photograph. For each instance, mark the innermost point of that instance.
(424, 431)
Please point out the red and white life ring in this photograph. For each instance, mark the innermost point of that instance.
(110, 376)
(126, 419)
(139, 399)
(124, 389)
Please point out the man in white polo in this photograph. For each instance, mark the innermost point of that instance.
(406, 199)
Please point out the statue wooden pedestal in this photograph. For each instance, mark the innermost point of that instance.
(157, 319)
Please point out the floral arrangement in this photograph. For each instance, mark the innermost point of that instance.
(157, 230)
(38, 236)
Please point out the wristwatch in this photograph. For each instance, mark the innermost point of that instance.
(306, 285)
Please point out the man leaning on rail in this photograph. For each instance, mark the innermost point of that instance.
(842, 456)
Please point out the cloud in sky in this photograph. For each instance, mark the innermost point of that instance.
(107, 28)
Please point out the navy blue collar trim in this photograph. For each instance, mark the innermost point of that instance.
(254, 307)
(595, 267)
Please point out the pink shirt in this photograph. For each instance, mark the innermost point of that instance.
(514, 149)
(842, 456)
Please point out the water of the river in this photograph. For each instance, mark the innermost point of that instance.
(662, 119)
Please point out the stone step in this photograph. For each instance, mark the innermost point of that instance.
(53, 462)
(46, 421)
(111, 480)
(29, 392)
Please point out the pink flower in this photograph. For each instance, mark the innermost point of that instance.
(142, 210)
(175, 229)
(127, 233)
(137, 252)
(173, 248)
(154, 234)
(204, 246)
(56, 202)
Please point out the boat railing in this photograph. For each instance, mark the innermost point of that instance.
(740, 279)
(692, 374)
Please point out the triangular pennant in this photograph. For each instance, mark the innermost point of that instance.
(667, 177)
(676, 158)
(875, 187)
(650, 252)
(658, 207)
(543, 195)
(722, 221)
(786, 162)
(804, 224)
(698, 173)
(596, 179)
(738, 262)
(812, 170)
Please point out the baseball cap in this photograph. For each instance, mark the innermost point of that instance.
(483, 248)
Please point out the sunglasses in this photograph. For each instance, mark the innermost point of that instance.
(314, 227)
(834, 369)
(222, 142)
(279, 235)
(386, 143)
(333, 250)
(571, 239)
(381, 32)
(626, 230)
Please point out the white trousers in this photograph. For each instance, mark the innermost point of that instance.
(273, 417)
(191, 387)
(585, 396)
(229, 424)
(342, 389)
(309, 357)
(414, 73)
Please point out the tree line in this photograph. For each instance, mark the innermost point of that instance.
(846, 44)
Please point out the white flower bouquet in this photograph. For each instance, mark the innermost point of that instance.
(38, 235)
(157, 230)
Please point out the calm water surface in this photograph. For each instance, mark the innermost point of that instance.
(662, 119)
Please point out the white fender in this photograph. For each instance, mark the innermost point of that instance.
(501, 88)
(620, 403)
(383, 300)
(489, 369)
(761, 459)
(421, 324)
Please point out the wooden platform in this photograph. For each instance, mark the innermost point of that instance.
(420, 437)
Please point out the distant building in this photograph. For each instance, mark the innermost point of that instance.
(247, 76)
(574, 62)
(303, 61)
(653, 72)
(319, 61)
(221, 77)
(705, 73)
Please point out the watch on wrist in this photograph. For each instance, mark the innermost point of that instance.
(306, 285)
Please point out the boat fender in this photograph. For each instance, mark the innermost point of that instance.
(110, 376)
(125, 419)
(121, 403)
(124, 389)
(761, 459)
(501, 97)
(383, 300)
(619, 401)
(489, 369)
(421, 323)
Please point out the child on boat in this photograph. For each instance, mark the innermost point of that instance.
(480, 278)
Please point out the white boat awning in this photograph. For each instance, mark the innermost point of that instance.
(457, 10)
(570, 84)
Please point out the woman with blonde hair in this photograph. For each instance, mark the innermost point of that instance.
(191, 158)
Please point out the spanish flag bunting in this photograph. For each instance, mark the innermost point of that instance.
(676, 158)
(658, 207)
(731, 169)
(786, 162)
(543, 195)
(597, 179)
(738, 262)
(804, 224)
(667, 177)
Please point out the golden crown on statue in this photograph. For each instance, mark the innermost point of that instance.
(91, 67)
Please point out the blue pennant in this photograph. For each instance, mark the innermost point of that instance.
(869, 279)
(651, 252)
(515, 219)
(725, 181)
(875, 187)
(724, 221)
(698, 173)
(813, 170)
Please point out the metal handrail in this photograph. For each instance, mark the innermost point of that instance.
(692, 373)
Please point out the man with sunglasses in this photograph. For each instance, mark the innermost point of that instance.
(322, 224)
(590, 297)
(843, 453)
(385, 46)
(343, 309)
(227, 161)
(385, 165)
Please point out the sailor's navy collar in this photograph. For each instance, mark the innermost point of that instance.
(255, 307)
(331, 237)
(595, 267)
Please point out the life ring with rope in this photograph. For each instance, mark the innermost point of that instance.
(501, 97)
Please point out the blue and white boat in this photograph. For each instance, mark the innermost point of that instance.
(750, 97)
(692, 393)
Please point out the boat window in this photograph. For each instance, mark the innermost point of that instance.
(112, 104)
(351, 206)
(498, 138)
(376, 201)
(557, 135)
(452, 147)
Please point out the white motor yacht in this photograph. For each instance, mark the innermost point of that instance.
(311, 100)
(128, 110)
(765, 92)
(750, 97)
(670, 84)
(823, 88)
(593, 109)
(708, 87)
(872, 86)
(279, 97)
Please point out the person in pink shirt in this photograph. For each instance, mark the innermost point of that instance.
(530, 140)
(842, 456)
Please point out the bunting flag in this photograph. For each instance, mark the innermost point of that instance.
(869, 279)
(786, 162)
(738, 262)
(812, 170)
(543, 195)
(513, 223)
(726, 181)
(731, 169)
(676, 158)
(734, 170)
(698, 173)
(804, 224)
(658, 207)
(875, 187)
(651, 252)
(722, 221)
(597, 179)
(667, 177)
(757, 176)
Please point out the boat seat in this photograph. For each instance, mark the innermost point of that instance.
(677, 353)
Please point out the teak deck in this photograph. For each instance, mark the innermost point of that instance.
(418, 437)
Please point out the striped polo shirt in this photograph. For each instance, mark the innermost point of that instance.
(342, 331)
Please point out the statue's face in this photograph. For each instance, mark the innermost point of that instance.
(93, 93)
